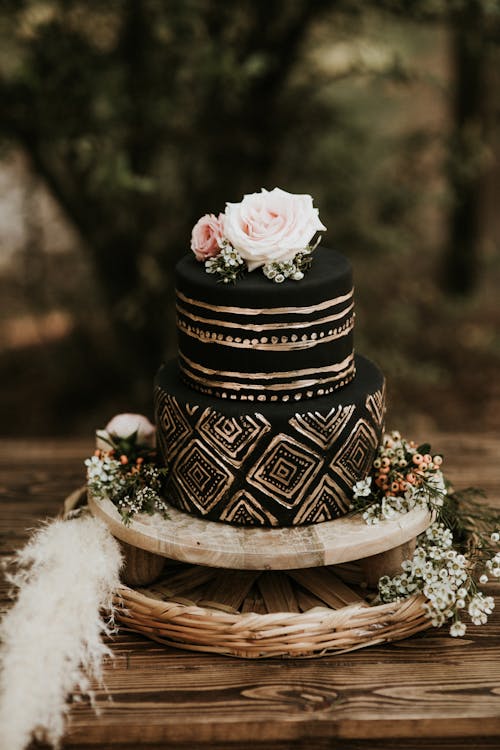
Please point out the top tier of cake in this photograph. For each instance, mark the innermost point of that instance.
(261, 341)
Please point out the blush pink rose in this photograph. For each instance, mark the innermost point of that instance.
(207, 236)
(271, 226)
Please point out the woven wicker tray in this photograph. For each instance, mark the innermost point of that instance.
(253, 614)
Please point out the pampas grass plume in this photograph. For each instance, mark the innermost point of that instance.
(52, 636)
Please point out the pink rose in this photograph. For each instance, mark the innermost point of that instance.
(271, 226)
(207, 236)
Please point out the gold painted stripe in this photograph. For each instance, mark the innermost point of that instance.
(263, 375)
(265, 310)
(265, 326)
(294, 385)
(269, 346)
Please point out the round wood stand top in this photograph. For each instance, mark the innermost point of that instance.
(219, 545)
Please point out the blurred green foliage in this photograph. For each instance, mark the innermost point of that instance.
(142, 115)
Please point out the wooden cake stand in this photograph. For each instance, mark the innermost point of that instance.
(148, 540)
(262, 592)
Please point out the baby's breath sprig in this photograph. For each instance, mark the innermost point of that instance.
(444, 576)
(228, 265)
(294, 269)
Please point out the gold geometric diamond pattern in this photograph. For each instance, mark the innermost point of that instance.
(375, 403)
(323, 429)
(354, 458)
(203, 478)
(326, 502)
(233, 437)
(286, 470)
(172, 425)
(243, 508)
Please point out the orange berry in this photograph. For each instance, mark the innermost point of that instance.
(140, 460)
(379, 481)
(417, 459)
(428, 458)
(386, 462)
(123, 459)
(410, 478)
(97, 453)
(395, 486)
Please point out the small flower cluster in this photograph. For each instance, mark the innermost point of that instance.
(134, 485)
(443, 576)
(228, 264)
(403, 477)
(272, 230)
(295, 269)
(443, 567)
(493, 565)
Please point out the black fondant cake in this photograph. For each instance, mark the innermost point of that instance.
(266, 342)
(267, 417)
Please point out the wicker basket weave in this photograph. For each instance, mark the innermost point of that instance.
(313, 627)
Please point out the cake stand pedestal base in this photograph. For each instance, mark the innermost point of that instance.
(260, 593)
(141, 567)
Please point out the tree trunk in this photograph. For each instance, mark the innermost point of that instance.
(466, 163)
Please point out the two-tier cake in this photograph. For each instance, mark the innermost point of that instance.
(267, 417)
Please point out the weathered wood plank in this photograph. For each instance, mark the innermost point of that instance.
(229, 587)
(277, 592)
(323, 583)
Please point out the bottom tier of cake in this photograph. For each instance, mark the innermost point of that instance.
(268, 464)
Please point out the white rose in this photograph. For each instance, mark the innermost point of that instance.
(271, 226)
(123, 426)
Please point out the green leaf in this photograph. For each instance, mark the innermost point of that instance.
(424, 448)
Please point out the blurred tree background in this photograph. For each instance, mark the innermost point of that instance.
(123, 121)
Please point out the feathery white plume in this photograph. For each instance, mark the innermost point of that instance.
(52, 636)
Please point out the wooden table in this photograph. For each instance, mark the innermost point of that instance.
(430, 691)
